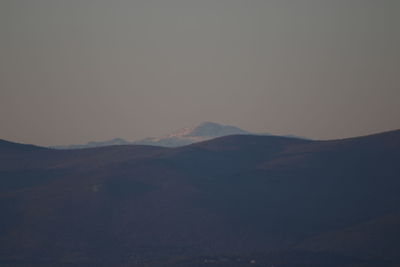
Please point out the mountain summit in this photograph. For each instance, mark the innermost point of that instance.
(212, 129)
(186, 136)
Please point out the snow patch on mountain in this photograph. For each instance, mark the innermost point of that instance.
(186, 136)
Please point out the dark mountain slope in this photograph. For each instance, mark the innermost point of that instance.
(376, 238)
(10, 146)
(270, 197)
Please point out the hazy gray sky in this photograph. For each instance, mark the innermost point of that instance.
(80, 70)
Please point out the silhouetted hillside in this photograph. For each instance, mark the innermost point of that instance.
(233, 201)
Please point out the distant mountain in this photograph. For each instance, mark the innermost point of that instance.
(112, 142)
(238, 200)
(186, 136)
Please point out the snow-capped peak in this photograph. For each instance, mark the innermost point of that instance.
(180, 133)
(186, 136)
(207, 129)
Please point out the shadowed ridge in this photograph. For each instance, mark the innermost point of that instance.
(387, 136)
(23, 156)
(16, 156)
(242, 146)
(7, 145)
(94, 144)
(385, 140)
(242, 140)
(112, 148)
(101, 156)
(388, 139)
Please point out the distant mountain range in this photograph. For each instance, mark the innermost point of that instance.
(185, 136)
(238, 200)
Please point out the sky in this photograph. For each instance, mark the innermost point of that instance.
(87, 70)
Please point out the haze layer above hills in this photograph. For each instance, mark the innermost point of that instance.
(239, 200)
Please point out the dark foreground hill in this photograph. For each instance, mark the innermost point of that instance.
(232, 201)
